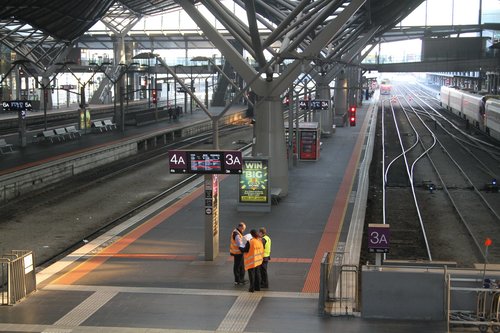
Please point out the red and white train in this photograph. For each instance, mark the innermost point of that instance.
(482, 112)
(385, 87)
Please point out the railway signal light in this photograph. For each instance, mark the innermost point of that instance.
(352, 116)
(153, 95)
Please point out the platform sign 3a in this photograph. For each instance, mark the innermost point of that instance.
(378, 238)
(205, 162)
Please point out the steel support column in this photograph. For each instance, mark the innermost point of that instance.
(341, 98)
(324, 117)
(270, 139)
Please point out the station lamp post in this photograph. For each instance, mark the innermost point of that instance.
(124, 69)
(102, 67)
(175, 83)
(21, 63)
(85, 114)
(219, 70)
(188, 87)
(149, 56)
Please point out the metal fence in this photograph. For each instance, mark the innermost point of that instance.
(17, 276)
(338, 295)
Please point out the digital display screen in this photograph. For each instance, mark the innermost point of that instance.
(17, 105)
(203, 162)
(319, 104)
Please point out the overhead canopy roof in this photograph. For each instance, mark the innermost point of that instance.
(59, 22)
(68, 20)
(61, 19)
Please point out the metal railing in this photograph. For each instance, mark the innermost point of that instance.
(17, 276)
(338, 294)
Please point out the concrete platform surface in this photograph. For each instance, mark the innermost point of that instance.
(149, 274)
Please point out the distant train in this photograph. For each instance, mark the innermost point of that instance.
(385, 87)
(482, 112)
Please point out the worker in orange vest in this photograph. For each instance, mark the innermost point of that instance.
(253, 257)
(237, 242)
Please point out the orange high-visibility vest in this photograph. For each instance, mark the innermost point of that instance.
(233, 247)
(254, 256)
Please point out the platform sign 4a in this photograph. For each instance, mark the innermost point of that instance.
(205, 162)
(378, 238)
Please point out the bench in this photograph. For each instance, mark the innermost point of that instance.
(4, 144)
(98, 124)
(73, 132)
(50, 135)
(109, 125)
(275, 195)
(61, 133)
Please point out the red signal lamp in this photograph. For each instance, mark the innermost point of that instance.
(153, 95)
(352, 116)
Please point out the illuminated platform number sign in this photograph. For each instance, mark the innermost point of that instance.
(319, 104)
(205, 162)
(17, 106)
(378, 238)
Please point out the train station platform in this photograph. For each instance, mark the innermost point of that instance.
(40, 151)
(149, 273)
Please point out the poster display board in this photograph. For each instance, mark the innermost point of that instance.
(309, 140)
(253, 186)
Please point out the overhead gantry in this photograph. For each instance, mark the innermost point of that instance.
(317, 37)
(302, 35)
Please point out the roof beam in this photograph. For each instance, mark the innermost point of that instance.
(231, 54)
(254, 32)
(317, 44)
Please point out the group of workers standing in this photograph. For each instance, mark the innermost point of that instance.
(251, 253)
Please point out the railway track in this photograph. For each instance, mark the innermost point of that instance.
(85, 206)
(459, 214)
(401, 151)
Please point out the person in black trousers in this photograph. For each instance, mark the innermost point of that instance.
(266, 241)
(253, 256)
(238, 242)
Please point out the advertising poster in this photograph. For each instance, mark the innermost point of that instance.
(254, 181)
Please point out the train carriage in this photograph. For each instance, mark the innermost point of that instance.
(492, 118)
(455, 104)
(385, 87)
(445, 97)
(473, 109)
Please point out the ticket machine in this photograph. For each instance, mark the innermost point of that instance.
(309, 144)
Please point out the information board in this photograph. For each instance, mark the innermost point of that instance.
(316, 104)
(205, 162)
(319, 104)
(17, 106)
